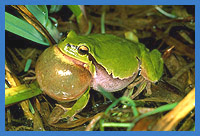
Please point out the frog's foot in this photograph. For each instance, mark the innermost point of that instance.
(29, 78)
(32, 72)
(64, 108)
(130, 88)
(136, 82)
(57, 113)
(148, 88)
(143, 84)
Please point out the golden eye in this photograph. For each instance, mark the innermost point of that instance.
(83, 50)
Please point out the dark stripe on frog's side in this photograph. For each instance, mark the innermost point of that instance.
(107, 82)
(112, 59)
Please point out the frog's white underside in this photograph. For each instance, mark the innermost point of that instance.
(107, 82)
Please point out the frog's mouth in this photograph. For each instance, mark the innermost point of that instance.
(72, 60)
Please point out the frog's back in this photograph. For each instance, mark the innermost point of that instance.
(118, 55)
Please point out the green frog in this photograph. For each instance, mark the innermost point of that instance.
(67, 70)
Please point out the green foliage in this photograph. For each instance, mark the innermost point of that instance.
(41, 13)
(55, 8)
(28, 64)
(21, 92)
(75, 9)
(22, 28)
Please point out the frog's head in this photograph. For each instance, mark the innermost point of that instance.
(77, 48)
(64, 71)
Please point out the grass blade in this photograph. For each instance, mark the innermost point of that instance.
(23, 29)
(21, 92)
(75, 9)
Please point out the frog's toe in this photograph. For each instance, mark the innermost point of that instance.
(148, 88)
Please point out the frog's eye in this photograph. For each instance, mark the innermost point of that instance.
(83, 50)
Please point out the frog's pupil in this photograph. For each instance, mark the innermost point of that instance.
(83, 50)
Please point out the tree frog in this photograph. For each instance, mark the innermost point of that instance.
(66, 70)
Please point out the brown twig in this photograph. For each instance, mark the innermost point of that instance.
(171, 119)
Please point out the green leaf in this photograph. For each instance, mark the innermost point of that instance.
(106, 94)
(21, 92)
(23, 29)
(163, 108)
(41, 13)
(28, 64)
(55, 8)
(75, 9)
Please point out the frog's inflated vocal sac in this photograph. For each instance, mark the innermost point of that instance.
(66, 70)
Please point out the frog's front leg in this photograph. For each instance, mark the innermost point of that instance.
(61, 112)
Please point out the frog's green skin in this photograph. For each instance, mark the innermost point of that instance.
(117, 55)
(120, 58)
(112, 63)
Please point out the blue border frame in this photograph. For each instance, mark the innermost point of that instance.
(95, 2)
